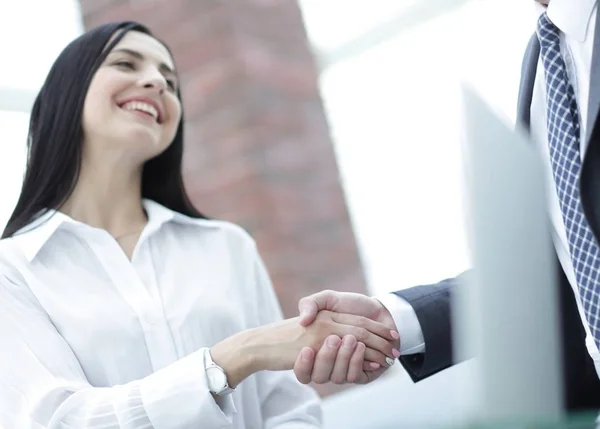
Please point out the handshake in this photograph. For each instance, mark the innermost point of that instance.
(358, 352)
(338, 337)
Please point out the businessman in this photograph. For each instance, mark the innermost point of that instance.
(559, 100)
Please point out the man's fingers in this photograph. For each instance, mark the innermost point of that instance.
(368, 324)
(355, 366)
(325, 360)
(304, 365)
(372, 375)
(310, 306)
(339, 374)
(308, 311)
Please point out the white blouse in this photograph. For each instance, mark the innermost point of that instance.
(90, 339)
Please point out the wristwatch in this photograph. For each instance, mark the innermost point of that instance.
(216, 377)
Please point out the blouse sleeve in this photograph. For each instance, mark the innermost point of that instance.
(286, 403)
(42, 385)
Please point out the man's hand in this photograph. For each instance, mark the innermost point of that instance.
(341, 360)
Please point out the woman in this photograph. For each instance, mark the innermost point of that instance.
(120, 305)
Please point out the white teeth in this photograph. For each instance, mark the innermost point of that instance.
(142, 107)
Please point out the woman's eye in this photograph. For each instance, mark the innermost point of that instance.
(171, 84)
(125, 64)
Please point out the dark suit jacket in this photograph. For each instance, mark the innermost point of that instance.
(432, 303)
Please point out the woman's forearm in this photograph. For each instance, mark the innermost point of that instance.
(270, 347)
(276, 346)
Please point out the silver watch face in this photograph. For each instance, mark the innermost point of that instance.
(216, 379)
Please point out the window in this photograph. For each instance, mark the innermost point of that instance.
(32, 34)
(13, 139)
(29, 43)
(393, 97)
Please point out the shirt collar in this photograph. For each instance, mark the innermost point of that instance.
(572, 17)
(158, 215)
(32, 238)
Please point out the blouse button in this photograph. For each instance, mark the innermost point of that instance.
(151, 319)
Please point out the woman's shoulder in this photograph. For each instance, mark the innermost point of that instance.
(223, 227)
(9, 252)
(222, 240)
(231, 235)
(11, 263)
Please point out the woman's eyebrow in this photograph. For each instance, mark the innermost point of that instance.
(162, 66)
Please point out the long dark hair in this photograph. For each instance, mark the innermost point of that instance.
(55, 135)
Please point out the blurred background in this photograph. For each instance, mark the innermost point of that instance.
(329, 129)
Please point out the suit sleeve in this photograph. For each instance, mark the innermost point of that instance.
(433, 306)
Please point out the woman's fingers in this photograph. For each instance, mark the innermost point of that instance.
(370, 366)
(358, 327)
(370, 325)
(375, 356)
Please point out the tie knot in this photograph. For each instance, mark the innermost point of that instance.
(547, 32)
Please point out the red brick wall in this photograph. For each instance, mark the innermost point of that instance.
(258, 150)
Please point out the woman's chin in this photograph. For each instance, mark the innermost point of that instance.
(144, 143)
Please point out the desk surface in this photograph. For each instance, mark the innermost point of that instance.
(578, 421)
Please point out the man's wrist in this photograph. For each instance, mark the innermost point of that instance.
(406, 321)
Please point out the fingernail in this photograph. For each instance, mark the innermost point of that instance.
(396, 353)
(306, 355)
(375, 365)
(348, 342)
(395, 335)
(389, 361)
(333, 342)
(303, 314)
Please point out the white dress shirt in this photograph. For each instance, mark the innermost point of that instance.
(90, 339)
(407, 323)
(577, 21)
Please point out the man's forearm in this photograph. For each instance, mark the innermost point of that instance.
(432, 306)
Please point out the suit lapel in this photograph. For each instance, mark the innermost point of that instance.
(590, 170)
(594, 101)
(528, 72)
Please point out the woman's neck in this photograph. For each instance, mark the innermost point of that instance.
(107, 198)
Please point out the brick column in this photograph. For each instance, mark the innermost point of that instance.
(258, 149)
